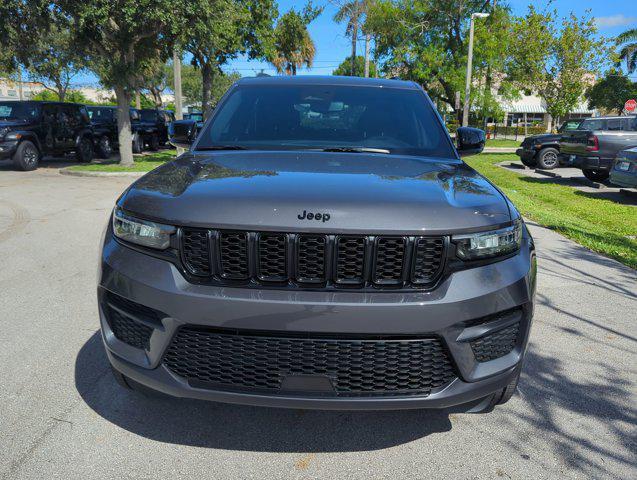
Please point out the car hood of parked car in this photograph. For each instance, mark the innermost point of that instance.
(278, 190)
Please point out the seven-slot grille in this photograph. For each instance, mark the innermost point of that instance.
(235, 360)
(312, 260)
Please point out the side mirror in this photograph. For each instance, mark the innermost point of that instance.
(470, 141)
(134, 116)
(182, 133)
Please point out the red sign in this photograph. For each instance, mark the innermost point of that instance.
(630, 105)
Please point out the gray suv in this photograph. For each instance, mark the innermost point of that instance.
(320, 245)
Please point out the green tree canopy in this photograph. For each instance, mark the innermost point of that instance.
(345, 68)
(220, 30)
(554, 58)
(293, 46)
(628, 51)
(611, 92)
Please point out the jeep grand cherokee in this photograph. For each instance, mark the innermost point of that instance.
(320, 245)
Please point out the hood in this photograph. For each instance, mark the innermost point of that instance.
(276, 191)
(10, 124)
(543, 137)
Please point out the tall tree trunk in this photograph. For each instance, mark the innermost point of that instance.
(138, 100)
(124, 135)
(367, 40)
(206, 75)
(354, 35)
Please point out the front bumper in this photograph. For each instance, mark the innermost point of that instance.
(463, 296)
(7, 149)
(526, 153)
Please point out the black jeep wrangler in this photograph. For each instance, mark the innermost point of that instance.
(104, 121)
(30, 130)
(543, 150)
(154, 126)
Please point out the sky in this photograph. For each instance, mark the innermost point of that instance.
(332, 46)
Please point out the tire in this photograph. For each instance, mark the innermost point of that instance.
(27, 156)
(528, 162)
(596, 175)
(84, 151)
(131, 385)
(501, 397)
(104, 147)
(138, 143)
(153, 144)
(547, 158)
(121, 379)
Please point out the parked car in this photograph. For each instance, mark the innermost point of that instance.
(624, 171)
(321, 245)
(189, 127)
(31, 129)
(543, 150)
(154, 126)
(104, 121)
(594, 146)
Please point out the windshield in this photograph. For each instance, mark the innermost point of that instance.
(148, 115)
(197, 117)
(593, 124)
(326, 116)
(100, 114)
(570, 125)
(18, 111)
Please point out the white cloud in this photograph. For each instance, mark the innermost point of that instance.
(618, 20)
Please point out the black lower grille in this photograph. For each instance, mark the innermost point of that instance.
(230, 360)
(496, 344)
(306, 260)
(130, 321)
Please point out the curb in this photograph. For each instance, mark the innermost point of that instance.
(88, 173)
(499, 149)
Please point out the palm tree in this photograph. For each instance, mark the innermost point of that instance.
(352, 12)
(629, 49)
(292, 42)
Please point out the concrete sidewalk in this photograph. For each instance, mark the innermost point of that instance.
(63, 416)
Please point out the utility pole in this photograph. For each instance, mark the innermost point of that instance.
(20, 82)
(367, 40)
(177, 86)
(467, 92)
(138, 100)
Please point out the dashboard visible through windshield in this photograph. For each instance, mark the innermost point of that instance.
(347, 118)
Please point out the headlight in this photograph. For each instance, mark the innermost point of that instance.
(479, 245)
(3, 132)
(141, 232)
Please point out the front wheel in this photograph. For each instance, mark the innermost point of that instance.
(596, 175)
(153, 144)
(84, 152)
(501, 396)
(138, 143)
(528, 162)
(104, 147)
(26, 156)
(547, 158)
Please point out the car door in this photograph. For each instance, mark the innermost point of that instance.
(65, 127)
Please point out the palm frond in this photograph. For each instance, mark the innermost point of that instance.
(627, 36)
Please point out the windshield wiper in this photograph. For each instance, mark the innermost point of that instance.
(223, 147)
(355, 149)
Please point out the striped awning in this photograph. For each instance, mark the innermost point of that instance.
(534, 104)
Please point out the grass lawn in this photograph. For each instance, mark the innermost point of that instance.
(502, 142)
(143, 163)
(599, 224)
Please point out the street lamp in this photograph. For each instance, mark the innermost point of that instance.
(467, 92)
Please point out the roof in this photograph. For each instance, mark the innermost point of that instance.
(534, 104)
(327, 80)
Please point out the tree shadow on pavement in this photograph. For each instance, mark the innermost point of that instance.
(586, 421)
(235, 427)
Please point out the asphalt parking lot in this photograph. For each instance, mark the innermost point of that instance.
(63, 416)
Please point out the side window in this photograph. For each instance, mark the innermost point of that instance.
(615, 124)
(629, 124)
(48, 114)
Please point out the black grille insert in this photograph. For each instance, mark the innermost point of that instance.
(317, 261)
(496, 344)
(130, 321)
(232, 360)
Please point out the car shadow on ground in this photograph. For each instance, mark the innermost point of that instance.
(46, 162)
(236, 427)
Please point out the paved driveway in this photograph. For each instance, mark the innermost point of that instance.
(63, 416)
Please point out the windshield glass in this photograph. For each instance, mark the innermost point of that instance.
(18, 111)
(593, 124)
(100, 114)
(197, 117)
(148, 115)
(326, 116)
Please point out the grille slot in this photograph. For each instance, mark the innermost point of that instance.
(428, 257)
(231, 360)
(233, 249)
(311, 258)
(390, 257)
(496, 344)
(350, 260)
(304, 260)
(129, 320)
(196, 251)
(272, 257)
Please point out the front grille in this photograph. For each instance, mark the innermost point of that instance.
(497, 344)
(312, 260)
(231, 360)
